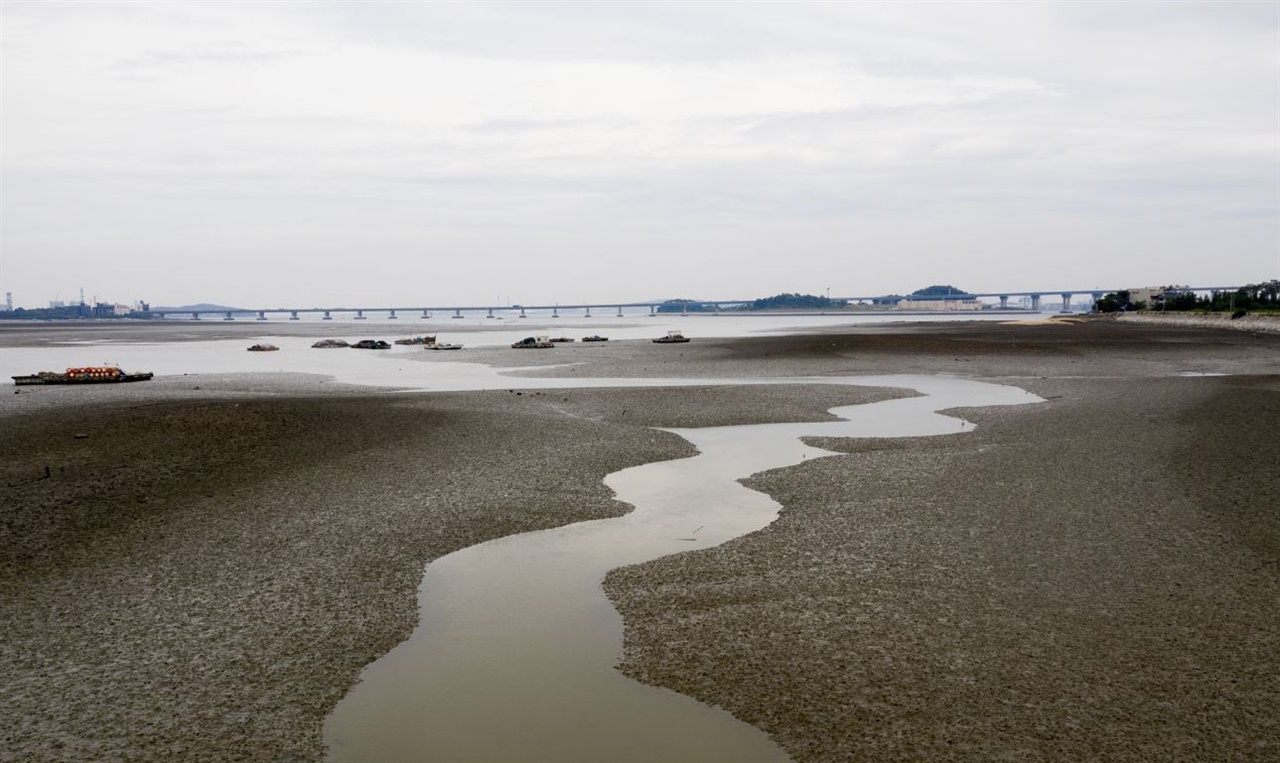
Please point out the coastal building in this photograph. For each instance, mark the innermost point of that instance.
(939, 305)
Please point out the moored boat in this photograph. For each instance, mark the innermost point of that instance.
(371, 344)
(83, 375)
(532, 342)
(672, 337)
(325, 344)
(595, 338)
(263, 348)
(444, 346)
(430, 339)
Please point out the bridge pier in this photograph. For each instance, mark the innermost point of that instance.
(293, 315)
(522, 315)
(360, 315)
(327, 317)
(392, 316)
(1066, 302)
(490, 315)
(228, 317)
(1097, 295)
(588, 315)
(195, 316)
(653, 311)
(426, 313)
(555, 312)
(619, 311)
(1035, 301)
(457, 314)
(262, 315)
(1004, 301)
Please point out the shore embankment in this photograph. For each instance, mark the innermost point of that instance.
(209, 562)
(1245, 322)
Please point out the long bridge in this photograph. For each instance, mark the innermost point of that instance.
(457, 311)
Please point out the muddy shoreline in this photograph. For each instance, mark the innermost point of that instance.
(205, 571)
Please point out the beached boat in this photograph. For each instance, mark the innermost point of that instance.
(672, 337)
(417, 340)
(560, 339)
(444, 346)
(533, 342)
(371, 344)
(263, 348)
(595, 338)
(84, 375)
(325, 344)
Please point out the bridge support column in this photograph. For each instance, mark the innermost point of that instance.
(1066, 302)
(360, 315)
(588, 315)
(293, 315)
(1004, 301)
(1035, 301)
(522, 315)
(426, 313)
(490, 315)
(457, 314)
(228, 317)
(653, 311)
(392, 316)
(619, 311)
(262, 315)
(195, 316)
(555, 312)
(327, 317)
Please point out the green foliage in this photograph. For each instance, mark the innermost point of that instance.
(1260, 297)
(940, 290)
(1114, 302)
(797, 302)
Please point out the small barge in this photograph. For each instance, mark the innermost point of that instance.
(84, 375)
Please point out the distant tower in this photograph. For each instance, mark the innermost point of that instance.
(8, 301)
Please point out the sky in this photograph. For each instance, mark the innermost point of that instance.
(303, 154)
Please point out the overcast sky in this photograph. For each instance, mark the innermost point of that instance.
(327, 153)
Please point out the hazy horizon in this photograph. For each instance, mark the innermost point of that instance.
(307, 153)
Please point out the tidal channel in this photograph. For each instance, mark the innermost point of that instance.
(513, 657)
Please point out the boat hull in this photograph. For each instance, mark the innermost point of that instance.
(37, 379)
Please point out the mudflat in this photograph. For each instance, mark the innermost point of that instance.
(198, 568)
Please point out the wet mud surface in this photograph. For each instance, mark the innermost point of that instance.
(204, 572)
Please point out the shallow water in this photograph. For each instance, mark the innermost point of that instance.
(400, 366)
(513, 657)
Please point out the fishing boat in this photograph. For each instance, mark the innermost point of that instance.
(672, 337)
(595, 338)
(428, 339)
(443, 346)
(263, 348)
(371, 344)
(533, 342)
(83, 375)
(325, 344)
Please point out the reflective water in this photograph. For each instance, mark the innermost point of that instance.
(513, 657)
(390, 367)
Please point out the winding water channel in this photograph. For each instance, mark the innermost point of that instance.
(514, 654)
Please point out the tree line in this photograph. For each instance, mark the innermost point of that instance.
(1263, 297)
